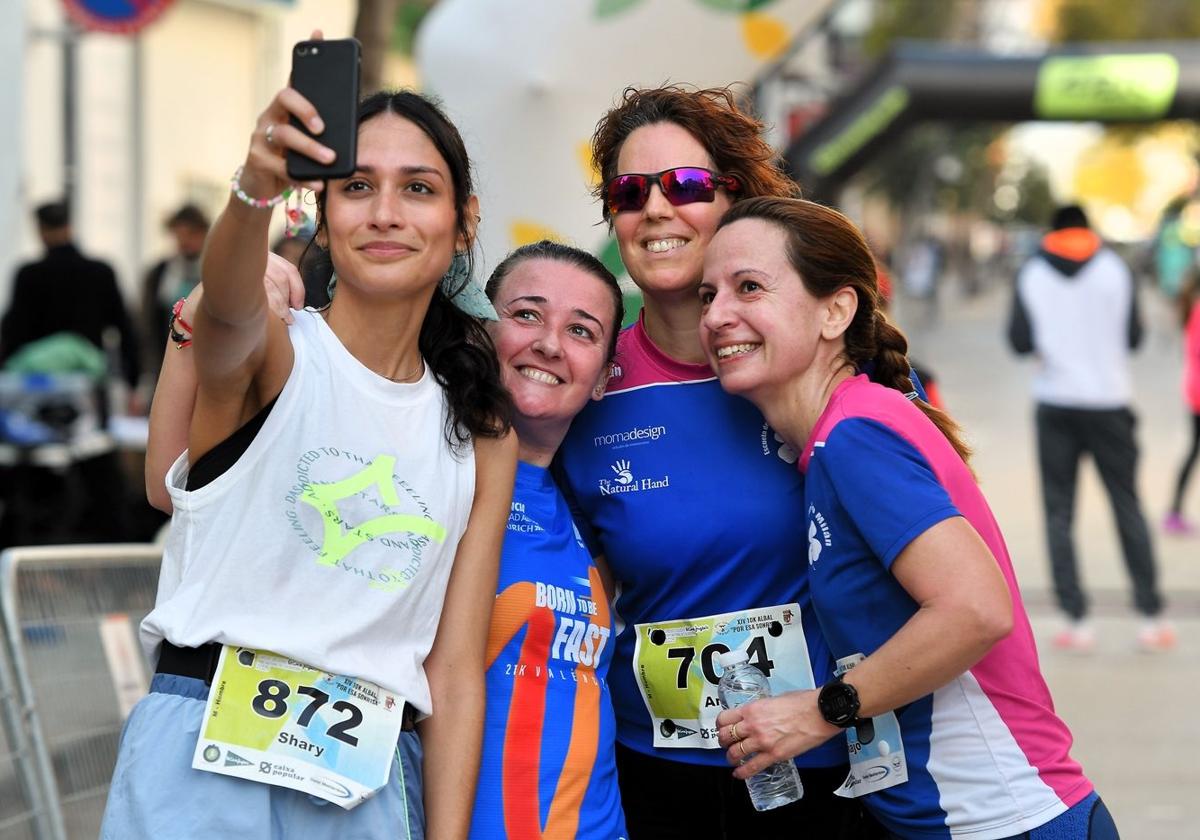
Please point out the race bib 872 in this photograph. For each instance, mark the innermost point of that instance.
(271, 719)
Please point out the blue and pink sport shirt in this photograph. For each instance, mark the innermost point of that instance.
(987, 756)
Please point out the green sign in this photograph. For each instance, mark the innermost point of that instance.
(866, 126)
(1106, 87)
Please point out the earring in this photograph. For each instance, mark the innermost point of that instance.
(329, 289)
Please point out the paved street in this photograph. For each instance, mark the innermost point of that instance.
(1130, 712)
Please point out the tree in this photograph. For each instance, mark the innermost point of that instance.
(383, 25)
(373, 29)
(1121, 20)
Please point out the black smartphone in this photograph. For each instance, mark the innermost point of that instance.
(326, 74)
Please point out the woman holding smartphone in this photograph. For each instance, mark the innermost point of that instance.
(338, 514)
(954, 730)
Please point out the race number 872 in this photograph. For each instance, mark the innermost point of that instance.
(271, 702)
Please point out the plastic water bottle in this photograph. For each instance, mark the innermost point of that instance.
(740, 683)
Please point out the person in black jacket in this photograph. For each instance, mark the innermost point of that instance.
(66, 291)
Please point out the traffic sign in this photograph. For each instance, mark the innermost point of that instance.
(125, 16)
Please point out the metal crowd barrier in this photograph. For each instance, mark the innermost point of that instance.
(71, 669)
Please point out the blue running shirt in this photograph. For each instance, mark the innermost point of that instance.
(698, 507)
(987, 756)
(548, 766)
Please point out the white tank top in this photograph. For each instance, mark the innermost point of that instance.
(330, 540)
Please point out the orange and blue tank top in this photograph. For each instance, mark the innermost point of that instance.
(548, 767)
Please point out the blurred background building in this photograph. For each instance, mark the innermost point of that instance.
(131, 125)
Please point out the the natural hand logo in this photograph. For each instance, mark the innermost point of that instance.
(814, 544)
(338, 542)
(621, 468)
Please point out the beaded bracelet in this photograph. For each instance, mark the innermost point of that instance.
(181, 340)
(259, 203)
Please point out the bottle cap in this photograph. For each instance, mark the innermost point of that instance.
(733, 657)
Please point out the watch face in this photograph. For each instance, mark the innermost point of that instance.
(838, 703)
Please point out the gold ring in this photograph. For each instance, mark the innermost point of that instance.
(733, 732)
(742, 744)
(270, 134)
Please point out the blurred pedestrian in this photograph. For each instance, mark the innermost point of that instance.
(922, 273)
(66, 291)
(56, 301)
(172, 278)
(1189, 308)
(1075, 308)
(1175, 246)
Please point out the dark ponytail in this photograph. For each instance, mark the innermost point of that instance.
(829, 253)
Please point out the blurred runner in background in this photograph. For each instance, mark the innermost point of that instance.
(1075, 308)
(1176, 523)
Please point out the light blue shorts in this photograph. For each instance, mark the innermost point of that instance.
(155, 793)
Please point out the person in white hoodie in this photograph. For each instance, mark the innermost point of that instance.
(1075, 308)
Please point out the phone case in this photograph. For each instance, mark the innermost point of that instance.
(326, 74)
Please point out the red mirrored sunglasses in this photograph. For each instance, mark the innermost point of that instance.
(681, 185)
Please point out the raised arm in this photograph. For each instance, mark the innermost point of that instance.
(452, 736)
(242, 357)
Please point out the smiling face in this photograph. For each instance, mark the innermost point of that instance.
(662, 245)
(760, 327)
(392, 225)
(552, 339)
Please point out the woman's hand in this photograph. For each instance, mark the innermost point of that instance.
(284, 288)
(771, 730)
(264, 174)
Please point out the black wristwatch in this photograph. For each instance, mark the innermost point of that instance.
(838, 703)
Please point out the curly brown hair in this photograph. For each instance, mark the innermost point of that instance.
(732, 138)
(828, 252)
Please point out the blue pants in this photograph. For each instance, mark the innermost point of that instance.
(1087, 820)
(155, 793)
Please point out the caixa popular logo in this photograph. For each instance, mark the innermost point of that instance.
(622, 478)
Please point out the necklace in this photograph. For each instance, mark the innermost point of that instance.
(416, 374)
